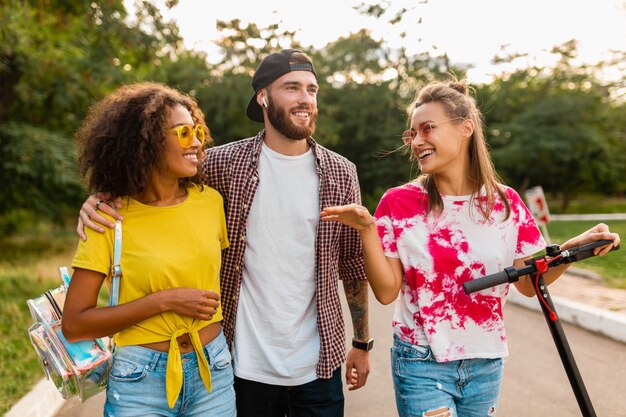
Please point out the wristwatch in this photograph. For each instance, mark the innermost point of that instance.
(366, 346)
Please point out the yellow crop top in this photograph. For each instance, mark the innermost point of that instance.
(164, 247)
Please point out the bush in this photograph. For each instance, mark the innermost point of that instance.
(38, 175)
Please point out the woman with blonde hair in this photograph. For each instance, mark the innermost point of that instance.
(454, 223)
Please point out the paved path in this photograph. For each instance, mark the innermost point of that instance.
(535, 383)
(590, 292)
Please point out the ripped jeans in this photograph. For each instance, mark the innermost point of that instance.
(424, 387)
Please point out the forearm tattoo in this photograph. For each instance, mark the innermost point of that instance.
(356, 296)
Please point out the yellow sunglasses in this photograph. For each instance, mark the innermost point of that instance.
(186, 134)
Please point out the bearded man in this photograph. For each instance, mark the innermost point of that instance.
(279, 277)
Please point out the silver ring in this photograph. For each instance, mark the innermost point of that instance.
(98, 204)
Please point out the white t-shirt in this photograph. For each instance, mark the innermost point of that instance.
(441, 252)
(277, 341)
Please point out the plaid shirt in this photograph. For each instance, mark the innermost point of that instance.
(233, 171)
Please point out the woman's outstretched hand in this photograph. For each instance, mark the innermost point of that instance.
(353, 215)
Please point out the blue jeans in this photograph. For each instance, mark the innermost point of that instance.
(464, 388)
(136, 384)
(318, 398)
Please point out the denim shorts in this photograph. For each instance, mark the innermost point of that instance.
(465, 388)
(136, 384)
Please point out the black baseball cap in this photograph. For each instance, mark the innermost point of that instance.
(272, 67)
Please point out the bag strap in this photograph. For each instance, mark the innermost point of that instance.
(53, 303)
(116, 268)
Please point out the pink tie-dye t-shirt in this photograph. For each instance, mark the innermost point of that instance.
(441, 252)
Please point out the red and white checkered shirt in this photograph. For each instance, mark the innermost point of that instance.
(233, 171)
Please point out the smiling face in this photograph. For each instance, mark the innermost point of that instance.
(292, 104)
(179, 162)
(442, 148)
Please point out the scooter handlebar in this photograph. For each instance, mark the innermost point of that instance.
(511, 274)
(488, 281)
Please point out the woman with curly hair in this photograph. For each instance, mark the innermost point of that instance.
(144, 143)
(454, 223)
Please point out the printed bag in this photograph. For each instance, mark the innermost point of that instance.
(76, 368)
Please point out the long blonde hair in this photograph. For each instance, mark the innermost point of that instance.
(455, 98)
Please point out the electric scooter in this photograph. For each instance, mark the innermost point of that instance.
(535, 268)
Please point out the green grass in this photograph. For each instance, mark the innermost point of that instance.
(28, 267)
(611, 267)
(20, 368)
(588, 203)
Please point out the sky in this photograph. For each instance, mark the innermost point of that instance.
(469, 31)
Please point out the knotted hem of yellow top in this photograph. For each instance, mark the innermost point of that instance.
(174, 371)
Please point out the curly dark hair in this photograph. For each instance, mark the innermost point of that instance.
(123, 138)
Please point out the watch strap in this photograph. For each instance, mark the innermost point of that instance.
(366, 346)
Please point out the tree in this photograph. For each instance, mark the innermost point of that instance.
(364, 88)
(56, 58)
(557, 127)
(38, 175)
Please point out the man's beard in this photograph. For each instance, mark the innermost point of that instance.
(279, 118)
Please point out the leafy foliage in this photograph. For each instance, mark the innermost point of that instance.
(364, 88)
(56, 58)
(556, 127)
(38, 173)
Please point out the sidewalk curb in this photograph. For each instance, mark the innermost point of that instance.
(607, 323)
(42, 401)
(584, 273)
